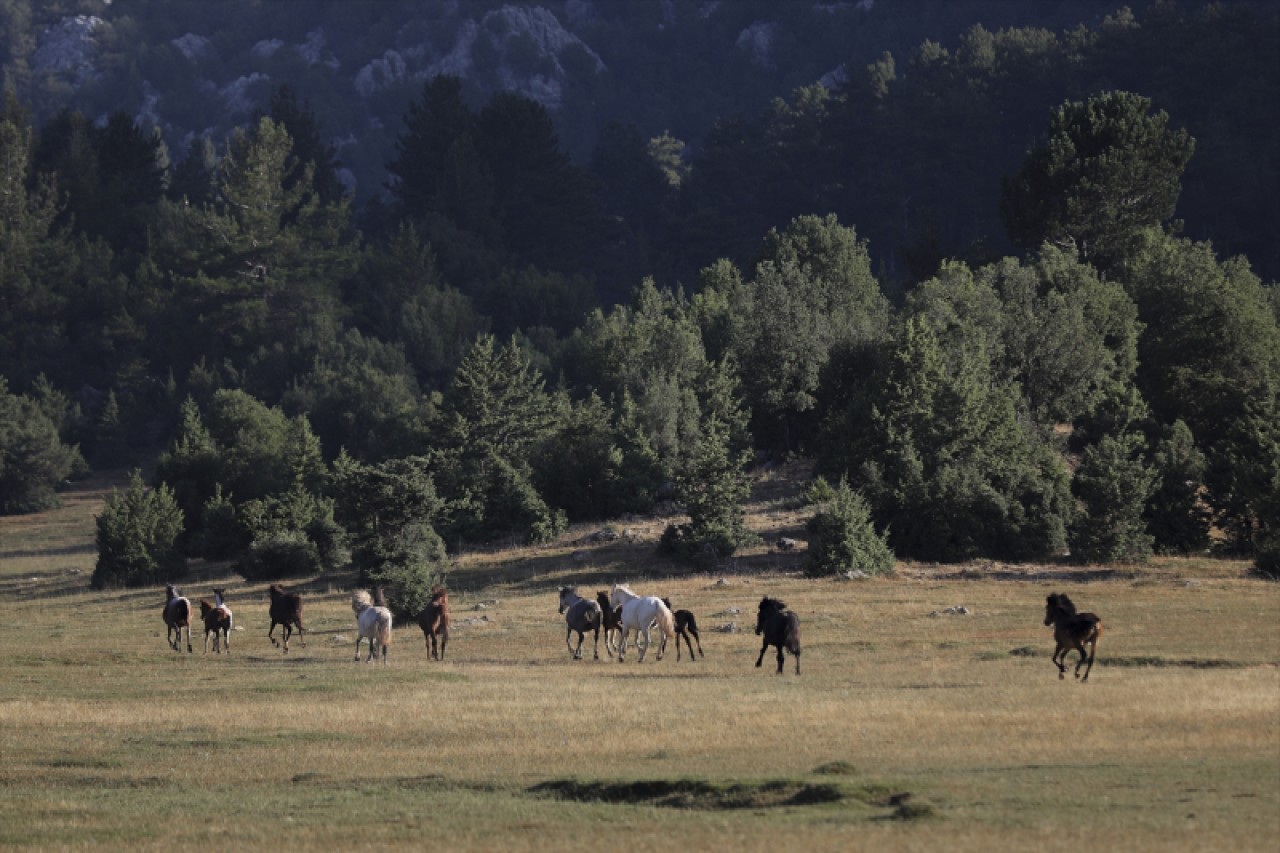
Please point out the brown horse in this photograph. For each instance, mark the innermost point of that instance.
(1072, 630)
(612, 623)
(434, 621)
(286, 610)
(217, 621)
(177, 615)
(685, 625)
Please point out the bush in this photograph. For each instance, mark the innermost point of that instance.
(280, 555)
(842, 537)
(408, 563)
(1113, 484)
(222, 535)
(137, 535)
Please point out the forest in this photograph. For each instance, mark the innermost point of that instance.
(1013, 294)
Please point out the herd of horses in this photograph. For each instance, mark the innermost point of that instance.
(620, 613)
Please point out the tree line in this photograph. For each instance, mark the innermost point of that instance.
(320, 397)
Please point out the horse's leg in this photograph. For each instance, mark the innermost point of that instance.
(645, 649)
(287, 631)
(694, 631)
(781, 659)
(1093, 651)
(622, 642)
(680, 634)
(1058, 652)
(358, 639)
(1083, 656)
(797, 654)
(271, 631)
(189, 638)
(763, 649)
(595, 648)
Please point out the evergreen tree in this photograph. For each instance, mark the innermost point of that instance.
(1109, 169)
(34, 462)
(1176, 515)
(137, 537)
(1113, 484)
(842, 537)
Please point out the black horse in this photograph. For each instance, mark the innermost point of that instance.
(780, 628)
(1071, 630)
(286, 610)
(581, 615)
(685, 625)
(612, 623)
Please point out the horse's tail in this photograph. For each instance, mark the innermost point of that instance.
(595, 614)
(793, 633)
(382, 628)
(181, 609)
(666, 621)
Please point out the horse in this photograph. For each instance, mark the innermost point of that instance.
(434, 622)
(780, 628)
(177, 615)
(1071, 630)
(612, 623)
(286, 610)
(374, 623)
(639, 614)
(217, 621)
(685, 625)
(581, 615)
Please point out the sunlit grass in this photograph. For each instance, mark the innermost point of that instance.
(909, 728)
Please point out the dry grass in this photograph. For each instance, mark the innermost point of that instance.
(109, 738)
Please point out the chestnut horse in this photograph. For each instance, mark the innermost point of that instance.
(434, 621)
(286, 610)
(686, 624)
(177, 615)
(1071, 630)
(217, 621)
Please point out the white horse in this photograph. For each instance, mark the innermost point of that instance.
(639, 614)
(374, 621)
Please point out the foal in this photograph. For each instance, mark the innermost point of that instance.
(1071, 630)
(217, 621)
(612, 622)
(685, 625)
(434, 622)
(286, 610)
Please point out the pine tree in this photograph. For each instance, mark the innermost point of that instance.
(137, 537)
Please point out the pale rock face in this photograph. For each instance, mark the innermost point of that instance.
(236, 94)
(193, 47)
(757, 40)
(502, 29)
(266, 48)
(69, 47)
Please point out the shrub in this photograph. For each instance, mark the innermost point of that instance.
(1113, 484)
(280, 555)
(137, 535)
(408, 563)
(842, 537)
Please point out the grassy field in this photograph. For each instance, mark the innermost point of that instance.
(910, 728)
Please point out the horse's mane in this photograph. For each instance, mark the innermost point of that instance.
(439, 593)
(1062, 601)
(361, 598)
(628, 590)
(775, 603)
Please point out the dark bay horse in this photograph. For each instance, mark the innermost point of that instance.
(581, 615)
(177, 616)
(286, 610)
(686, 624)
(780, 628)
(612, 623)
(434, 622)
(1071, 630)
